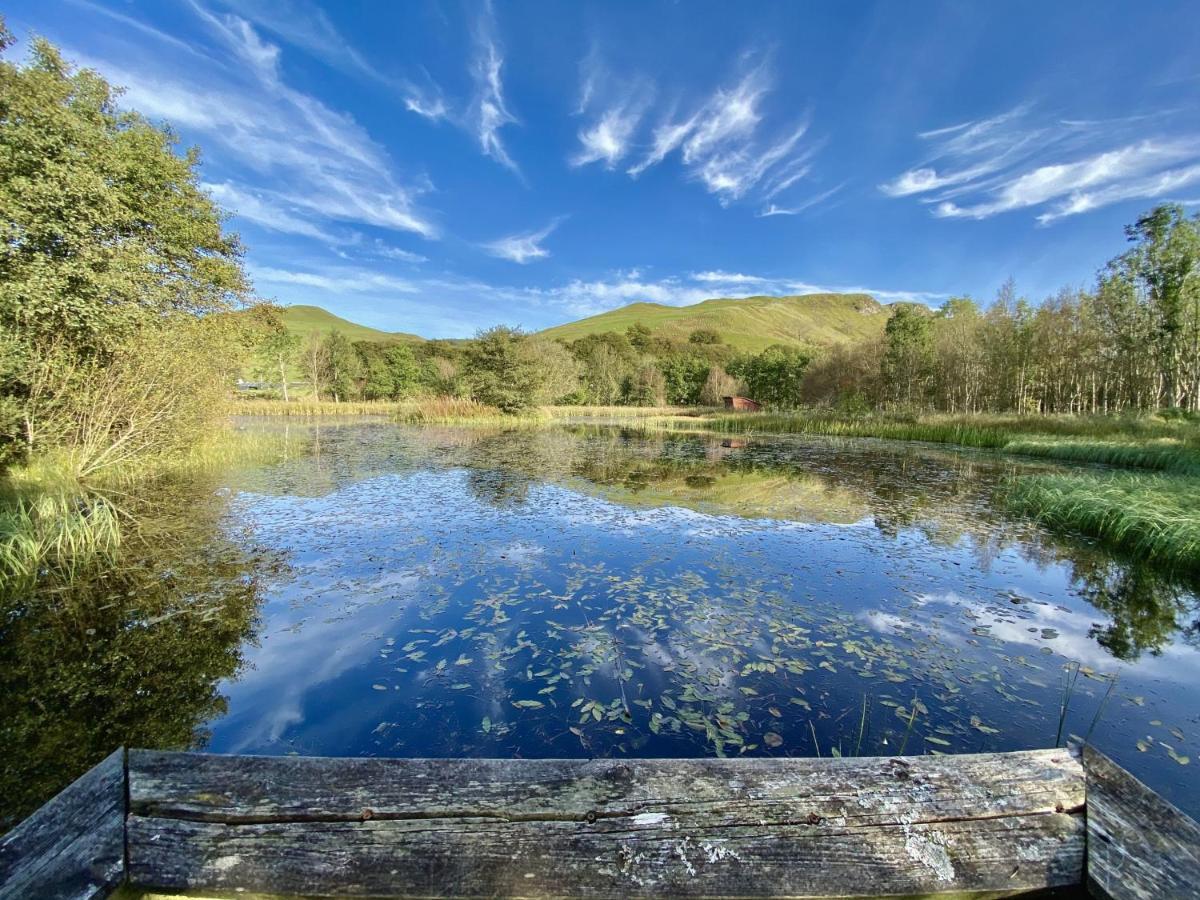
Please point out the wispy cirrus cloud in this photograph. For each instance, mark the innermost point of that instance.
(1064, 167)
(522, 248)
(489, 112)
(310, 165)
(772, 209)
(721, 142)
(614, 107)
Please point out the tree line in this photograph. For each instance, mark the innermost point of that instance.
(513, 370)
(1131, 342)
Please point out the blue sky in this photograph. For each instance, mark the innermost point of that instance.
(439, 168)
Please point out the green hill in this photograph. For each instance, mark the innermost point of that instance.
(750, 323)
(303, 320)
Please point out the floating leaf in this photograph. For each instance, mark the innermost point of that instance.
(771, 739)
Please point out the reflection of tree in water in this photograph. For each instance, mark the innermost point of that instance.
(129, 656)
(1148, 608)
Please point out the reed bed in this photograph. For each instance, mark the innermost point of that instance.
(1154, 517)
(422, 410)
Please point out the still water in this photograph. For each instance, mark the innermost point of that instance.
(591, 591)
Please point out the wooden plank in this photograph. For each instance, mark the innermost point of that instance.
(1139, 845)
(74, 846)
(1003, 823)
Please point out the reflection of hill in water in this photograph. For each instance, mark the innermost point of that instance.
(946, 496)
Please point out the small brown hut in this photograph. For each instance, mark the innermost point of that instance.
(742, 404)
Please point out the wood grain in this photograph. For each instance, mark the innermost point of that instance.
(72, 848)
(1000, 823)
(1139, 845)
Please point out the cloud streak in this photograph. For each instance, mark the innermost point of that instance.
(522, 248)
(326, 166)
(1063, 167)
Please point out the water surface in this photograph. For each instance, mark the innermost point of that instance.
(588, 591)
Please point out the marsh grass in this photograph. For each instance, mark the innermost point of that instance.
(54, 524)
(1154, 517)
(417, 411)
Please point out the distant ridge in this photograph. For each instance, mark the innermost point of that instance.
(304, 320)
(750, 323)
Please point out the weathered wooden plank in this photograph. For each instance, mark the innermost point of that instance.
(752, 827)
(74, 846)
(1139, 845)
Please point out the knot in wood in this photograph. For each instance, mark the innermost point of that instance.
(813, 819)
(620, 773)
(591, 817)
(367, 814)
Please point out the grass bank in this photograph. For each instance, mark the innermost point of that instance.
(1153, 517)
(425, 410)
(1150, 511)
(55, 525)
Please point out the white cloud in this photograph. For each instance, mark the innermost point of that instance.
(327, 167)
(608, 138)
(720, 146)
(522, 248)
(489, 111)
(1121, 173)
(773, 210)
(256, 208)
(1066, 166)
(335, 280)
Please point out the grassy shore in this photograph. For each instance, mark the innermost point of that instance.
(428, 410)
(53, 524)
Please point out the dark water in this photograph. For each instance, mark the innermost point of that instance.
(396, 591)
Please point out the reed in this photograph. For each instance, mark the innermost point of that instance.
(1153, 517)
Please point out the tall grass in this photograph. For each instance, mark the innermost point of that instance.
(55, 525)
(1155, 517)
(51, 525)
(422, 410)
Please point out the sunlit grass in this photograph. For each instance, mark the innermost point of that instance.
(52, 524)
(1155, 517)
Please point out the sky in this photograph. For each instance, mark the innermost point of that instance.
(440, 168)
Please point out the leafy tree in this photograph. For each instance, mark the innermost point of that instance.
(344, 367)
(314, 363)
(704, 336)
(775, 376)
(109, 250)
(277, 352)
(718, 385)
(908, 361)
(1164, 264)
(105, 229)
(646, 387)
(684, 375)
(639, 336)
(502, 369)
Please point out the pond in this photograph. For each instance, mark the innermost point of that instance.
(588, 590)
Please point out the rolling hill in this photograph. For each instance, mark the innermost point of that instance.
(750, 323)
(303, 320)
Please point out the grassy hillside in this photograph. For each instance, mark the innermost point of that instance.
(303, 320)
(751, 323)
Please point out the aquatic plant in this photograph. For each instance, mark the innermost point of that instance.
(1154, 517)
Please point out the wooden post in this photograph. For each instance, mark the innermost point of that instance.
(73, 848)
(1140, 847)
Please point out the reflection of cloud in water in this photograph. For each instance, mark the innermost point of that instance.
(1025, 624)
(269, 696)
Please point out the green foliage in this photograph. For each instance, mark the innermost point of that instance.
(704, 336)
(503, 369)
(773, 377)
(104, 227)
(1153, 517)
